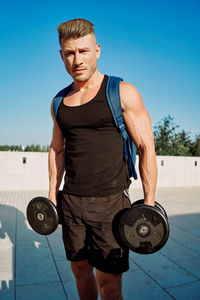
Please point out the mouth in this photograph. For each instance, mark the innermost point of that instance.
(77, 71)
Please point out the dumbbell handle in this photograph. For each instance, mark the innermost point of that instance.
(157, 205)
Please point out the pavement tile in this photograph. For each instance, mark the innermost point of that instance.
(194, 246)
(7, 276)
(43, 291)
(7, 236)
(65, 272)
(178, 253)
(180, 232)
(132, 265)
(188, 223)
(7, 213)
(186, 292)
(184, 257)
(7, 262)
(195, 231)
(171, 275)
(71, 291)
(7, 290)
(7, 226)
(138, 285)
(163, 270)
(6, 270)
(27, 238)
(35, 265)
(68, 279)
(185, 221)
(146, 262)
(187, 239)
(192, 265)
(171, 244)
(56, 244)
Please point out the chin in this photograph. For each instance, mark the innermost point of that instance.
(81, 77)
(85, 76)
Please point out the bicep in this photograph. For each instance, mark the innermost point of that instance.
(136, 117)
(57, 142)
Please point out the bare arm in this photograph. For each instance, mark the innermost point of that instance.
(56, 160)
(138, 123)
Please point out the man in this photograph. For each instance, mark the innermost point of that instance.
(87, 144)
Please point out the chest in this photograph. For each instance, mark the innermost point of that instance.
(79, 98)
(94, 114)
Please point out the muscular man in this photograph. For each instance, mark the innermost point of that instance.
(87, 144)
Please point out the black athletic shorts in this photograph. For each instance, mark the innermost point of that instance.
(88, 231)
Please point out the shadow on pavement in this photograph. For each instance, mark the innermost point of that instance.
(14, 233)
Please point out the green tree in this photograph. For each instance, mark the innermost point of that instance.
(32, 148)
(10, 148)
(195, 149)
(164, 132)
(181, 144)
(198, 148)
(36, 148)
(28, 148)
(169, 142)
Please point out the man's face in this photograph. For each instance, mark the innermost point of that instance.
(79, 56)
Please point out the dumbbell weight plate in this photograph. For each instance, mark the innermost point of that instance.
(42, 215)
(144, 229)
(157, 205)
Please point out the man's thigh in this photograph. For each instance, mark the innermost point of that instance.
(73, 228)
(104, 251)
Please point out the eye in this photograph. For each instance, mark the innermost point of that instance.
(69, 53)
(84, 51)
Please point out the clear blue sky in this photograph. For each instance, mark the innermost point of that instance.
(155, 45)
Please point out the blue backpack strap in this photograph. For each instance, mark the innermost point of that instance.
(58, 98)
(113, 98)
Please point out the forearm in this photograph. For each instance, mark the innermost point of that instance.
(56, 170)
(148, 173)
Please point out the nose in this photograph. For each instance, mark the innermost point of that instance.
(77, 59)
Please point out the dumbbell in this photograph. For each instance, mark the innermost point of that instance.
(142, 228)
(43, 216)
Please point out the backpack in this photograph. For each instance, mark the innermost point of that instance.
(113, 98)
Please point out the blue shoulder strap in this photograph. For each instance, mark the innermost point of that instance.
(113, 98)
(58, 98)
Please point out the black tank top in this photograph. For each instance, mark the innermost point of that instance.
(94, 159)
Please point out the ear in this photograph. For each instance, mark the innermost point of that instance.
(61, 53)
(98, 51)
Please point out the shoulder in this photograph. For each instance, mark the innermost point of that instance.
(63, 92)
(58, 98)
(130, 96)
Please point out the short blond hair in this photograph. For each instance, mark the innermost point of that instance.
(75, 29)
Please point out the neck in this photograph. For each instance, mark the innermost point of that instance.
(93, 81)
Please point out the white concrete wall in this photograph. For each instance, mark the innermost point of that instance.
(16, 175)
(33, 175)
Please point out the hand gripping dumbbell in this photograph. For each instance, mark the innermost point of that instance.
(43, 216)
(142, 228)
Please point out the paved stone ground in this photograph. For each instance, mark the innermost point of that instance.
(34, 266)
